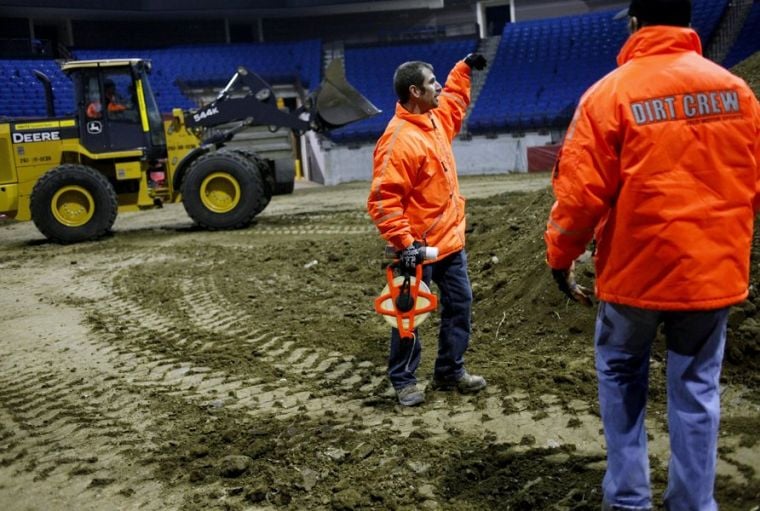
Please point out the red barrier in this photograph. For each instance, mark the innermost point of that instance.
(542, 158)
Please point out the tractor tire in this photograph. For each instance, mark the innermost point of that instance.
(284, 188)
(285, 176)
(223, 190)
(73, 203)
(267, 176)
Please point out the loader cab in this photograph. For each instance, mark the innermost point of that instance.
(116, 107)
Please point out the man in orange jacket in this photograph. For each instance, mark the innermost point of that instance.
(113, 102)
(660, 167)
(415, 201)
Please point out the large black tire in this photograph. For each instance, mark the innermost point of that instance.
(285, 176)
(223, 190)
(267, 175)
(73, 203)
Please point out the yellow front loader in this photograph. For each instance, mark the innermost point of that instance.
(72, 174)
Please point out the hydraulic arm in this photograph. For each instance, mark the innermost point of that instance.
(249, 100)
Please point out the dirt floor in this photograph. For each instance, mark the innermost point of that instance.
(167, 367)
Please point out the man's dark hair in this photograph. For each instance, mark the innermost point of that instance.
(406, 75)
(661, 12)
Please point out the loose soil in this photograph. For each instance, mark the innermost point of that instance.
(167, 367)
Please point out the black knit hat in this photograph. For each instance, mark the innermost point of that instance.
(659, 12)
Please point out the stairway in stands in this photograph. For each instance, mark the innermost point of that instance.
(486, 47)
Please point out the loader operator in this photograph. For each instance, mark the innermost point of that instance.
(114, 105)
(415, 201)
(661, 166)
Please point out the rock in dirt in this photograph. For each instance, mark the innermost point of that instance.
(426, 491)
(362, 451)
(215, 404)
(234, 465)
(418, 467)
(336, 454)
(430, 505)
(347, 500)
(310, 478)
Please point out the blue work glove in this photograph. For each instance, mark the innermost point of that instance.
(476, 61)
(565, 279)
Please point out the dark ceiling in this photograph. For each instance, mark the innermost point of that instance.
(136, 9)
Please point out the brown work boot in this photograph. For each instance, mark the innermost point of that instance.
(467, 384)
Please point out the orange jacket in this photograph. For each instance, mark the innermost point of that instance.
(660, 165)
(95, 109)
(415, 190)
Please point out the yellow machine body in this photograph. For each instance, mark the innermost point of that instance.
(116, 153)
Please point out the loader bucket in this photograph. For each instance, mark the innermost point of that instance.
(338, 103)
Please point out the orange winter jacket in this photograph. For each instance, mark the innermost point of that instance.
(415, 190)
(660, 165)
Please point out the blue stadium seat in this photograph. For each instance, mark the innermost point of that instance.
(23, 96)
(543, 67)
(215, 64)
(748, 41)
(371, 70)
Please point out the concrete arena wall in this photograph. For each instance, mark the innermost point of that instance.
(480, 155)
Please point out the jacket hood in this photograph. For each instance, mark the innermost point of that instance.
(659, 40)
(422, 120)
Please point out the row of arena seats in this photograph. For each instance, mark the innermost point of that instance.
(215, 64)
(371, 70)
(546, 65)
(22, 94)
(540, 70)
(559, 58)
(173, 67)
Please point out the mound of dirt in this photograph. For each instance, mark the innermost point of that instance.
(518, 304)
(743, 345)
(749, 69)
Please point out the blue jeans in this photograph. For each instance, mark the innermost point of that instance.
(455, 297)
(695, 343)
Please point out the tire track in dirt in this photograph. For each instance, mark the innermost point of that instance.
(336, 223)
(66, 424)
(304, 230)
(323, 383)
(470, 415)
(336, 392)
(311, 363)
(193, 382)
